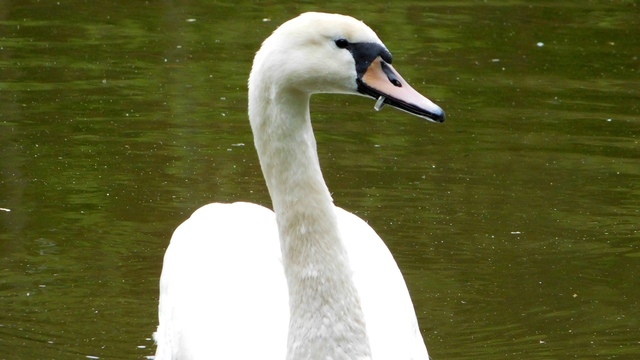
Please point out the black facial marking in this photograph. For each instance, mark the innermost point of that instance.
(364, 53)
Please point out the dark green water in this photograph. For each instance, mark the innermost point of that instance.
(516, 223)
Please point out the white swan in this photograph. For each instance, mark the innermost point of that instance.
(310, 281)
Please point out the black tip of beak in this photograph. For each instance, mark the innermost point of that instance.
(438, 116)
(433, 115)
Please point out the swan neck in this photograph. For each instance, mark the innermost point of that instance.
(326, 318)
(287, 150)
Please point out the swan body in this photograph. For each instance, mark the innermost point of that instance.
(307, 280)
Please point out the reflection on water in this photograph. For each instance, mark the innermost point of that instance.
(515, 222)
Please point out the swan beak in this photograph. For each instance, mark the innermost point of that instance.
(382, 82)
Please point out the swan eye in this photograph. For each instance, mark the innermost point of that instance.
(342, 43)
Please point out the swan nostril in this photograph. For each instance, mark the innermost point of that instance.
(391, 75)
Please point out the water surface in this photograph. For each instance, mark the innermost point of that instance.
(515, 222)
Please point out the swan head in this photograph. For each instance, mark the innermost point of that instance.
(331, 53)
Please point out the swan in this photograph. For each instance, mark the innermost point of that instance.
(307, 280)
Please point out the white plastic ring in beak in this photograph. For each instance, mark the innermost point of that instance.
(379, 104)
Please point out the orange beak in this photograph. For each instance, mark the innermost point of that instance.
(382, 82)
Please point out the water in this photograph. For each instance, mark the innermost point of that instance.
(515, 222)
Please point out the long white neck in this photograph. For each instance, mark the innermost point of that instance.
(326, 320)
